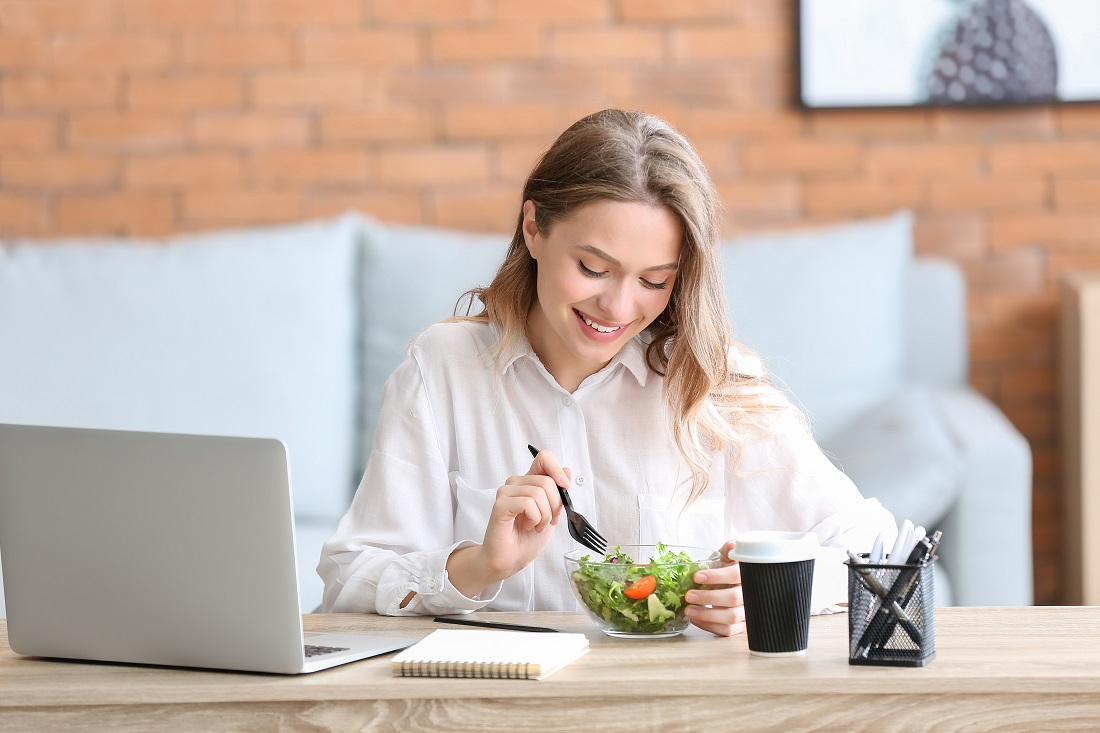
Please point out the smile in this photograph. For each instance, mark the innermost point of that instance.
(592, 324)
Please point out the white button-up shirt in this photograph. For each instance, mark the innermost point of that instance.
(452, 429)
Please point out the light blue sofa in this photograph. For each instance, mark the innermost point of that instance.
(290, 332)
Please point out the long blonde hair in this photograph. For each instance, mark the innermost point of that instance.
(634, 157)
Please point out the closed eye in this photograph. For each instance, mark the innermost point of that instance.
(589, 272)
(653, 285)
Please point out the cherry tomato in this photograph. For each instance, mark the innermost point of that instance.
(641, 587)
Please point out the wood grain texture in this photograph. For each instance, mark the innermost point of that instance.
(996, 669)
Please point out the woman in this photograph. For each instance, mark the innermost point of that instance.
(604, 341)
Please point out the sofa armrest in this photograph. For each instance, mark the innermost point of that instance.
(987, 532)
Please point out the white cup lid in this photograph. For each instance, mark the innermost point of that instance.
(766, 546)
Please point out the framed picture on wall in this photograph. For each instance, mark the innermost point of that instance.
(903, 53)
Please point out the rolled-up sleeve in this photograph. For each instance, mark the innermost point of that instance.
(396, 537)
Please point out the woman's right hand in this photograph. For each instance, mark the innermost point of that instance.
(522, 520)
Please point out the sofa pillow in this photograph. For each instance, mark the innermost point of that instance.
(902, 453)
(412, 277)
(825, 310)
(233, 333)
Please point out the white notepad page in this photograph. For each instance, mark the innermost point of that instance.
(489, 653)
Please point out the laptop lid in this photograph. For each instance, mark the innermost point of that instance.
(153, 548)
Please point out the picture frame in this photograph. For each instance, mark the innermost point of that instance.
(946, 53)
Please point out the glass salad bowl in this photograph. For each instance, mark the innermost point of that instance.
(638, 590)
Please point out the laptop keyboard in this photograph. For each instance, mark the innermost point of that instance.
(316, 651)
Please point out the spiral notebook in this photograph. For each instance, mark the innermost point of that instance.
(489, 653)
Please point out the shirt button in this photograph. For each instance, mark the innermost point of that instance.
(431, 584)
(580, 480)
(568, 401)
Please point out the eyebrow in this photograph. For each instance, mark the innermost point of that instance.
(608, 258)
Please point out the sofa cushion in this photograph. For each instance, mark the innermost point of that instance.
(412, 277)
(902, 453)
(825, 309)
(233, 333)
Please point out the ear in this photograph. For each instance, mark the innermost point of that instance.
(530, 228)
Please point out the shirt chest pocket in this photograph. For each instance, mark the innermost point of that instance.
(700, 525)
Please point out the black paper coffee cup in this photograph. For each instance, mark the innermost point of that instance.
(777, 573)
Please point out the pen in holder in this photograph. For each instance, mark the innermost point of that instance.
(891, 609)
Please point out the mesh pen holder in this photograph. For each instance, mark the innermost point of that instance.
(891, 614)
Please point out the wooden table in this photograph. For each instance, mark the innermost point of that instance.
(1010, 669)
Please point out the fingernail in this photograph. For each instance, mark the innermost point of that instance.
(691, 611)
(700, 577)
(692, 597)
(563, 481)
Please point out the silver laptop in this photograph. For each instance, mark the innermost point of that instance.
(156, 548)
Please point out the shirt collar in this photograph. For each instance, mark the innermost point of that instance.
(632, 356)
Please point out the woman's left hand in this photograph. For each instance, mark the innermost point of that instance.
(720, 610)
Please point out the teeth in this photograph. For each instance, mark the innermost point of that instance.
(598, 327)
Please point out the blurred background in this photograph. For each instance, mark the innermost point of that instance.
(154, 117)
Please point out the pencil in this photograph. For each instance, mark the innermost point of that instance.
(491, 624)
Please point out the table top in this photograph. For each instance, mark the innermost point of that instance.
(1033, 650)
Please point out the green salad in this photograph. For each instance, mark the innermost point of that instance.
(638, 598)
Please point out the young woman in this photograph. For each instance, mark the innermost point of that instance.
(603, 341)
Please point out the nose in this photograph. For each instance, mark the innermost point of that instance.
(616, 303)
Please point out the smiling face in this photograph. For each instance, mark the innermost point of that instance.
(605, 272)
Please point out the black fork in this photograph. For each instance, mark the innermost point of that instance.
(580, 528)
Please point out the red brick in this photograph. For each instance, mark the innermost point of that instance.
(22, 215)
(240, 208)
(119, 214)
(373, 48)
(1079, 194)
(1079, 121)
(513, 160)
(431, 12)
(862, 197)
(1014, 270)
(872, 124)
(988, 195)
(953, 236)
(1015, 230)
(663, 11)
(24, 134)
(244, 51)
(939, 160)
(507, 42)
(117, 53)
(439, 85)
(743, 125)
(570, 84)
(21, 52)
(70, 93)
(494, 209)
(281, 167)
(559, 11)
(58, 170)
(681, 84)
(1036, 421)
(1045, 157)
(1030, 382)
(502, 122)
(125, 131)
(802, 156)
(1060, 264)
(305, 13)
(51, 16)
(312, 89)
(179, 14)
(431, 166)
(184, 93)
(1004, 122)
(180, 171)
(773, 196)
(392, 124)
(384, 205)
(719, 155)
(617, 43)
(250, 130)
(728, 43)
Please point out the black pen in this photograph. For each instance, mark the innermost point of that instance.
(492, 625)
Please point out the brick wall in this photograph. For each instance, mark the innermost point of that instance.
(157, 116)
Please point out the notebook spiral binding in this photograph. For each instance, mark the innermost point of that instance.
(480, 670)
